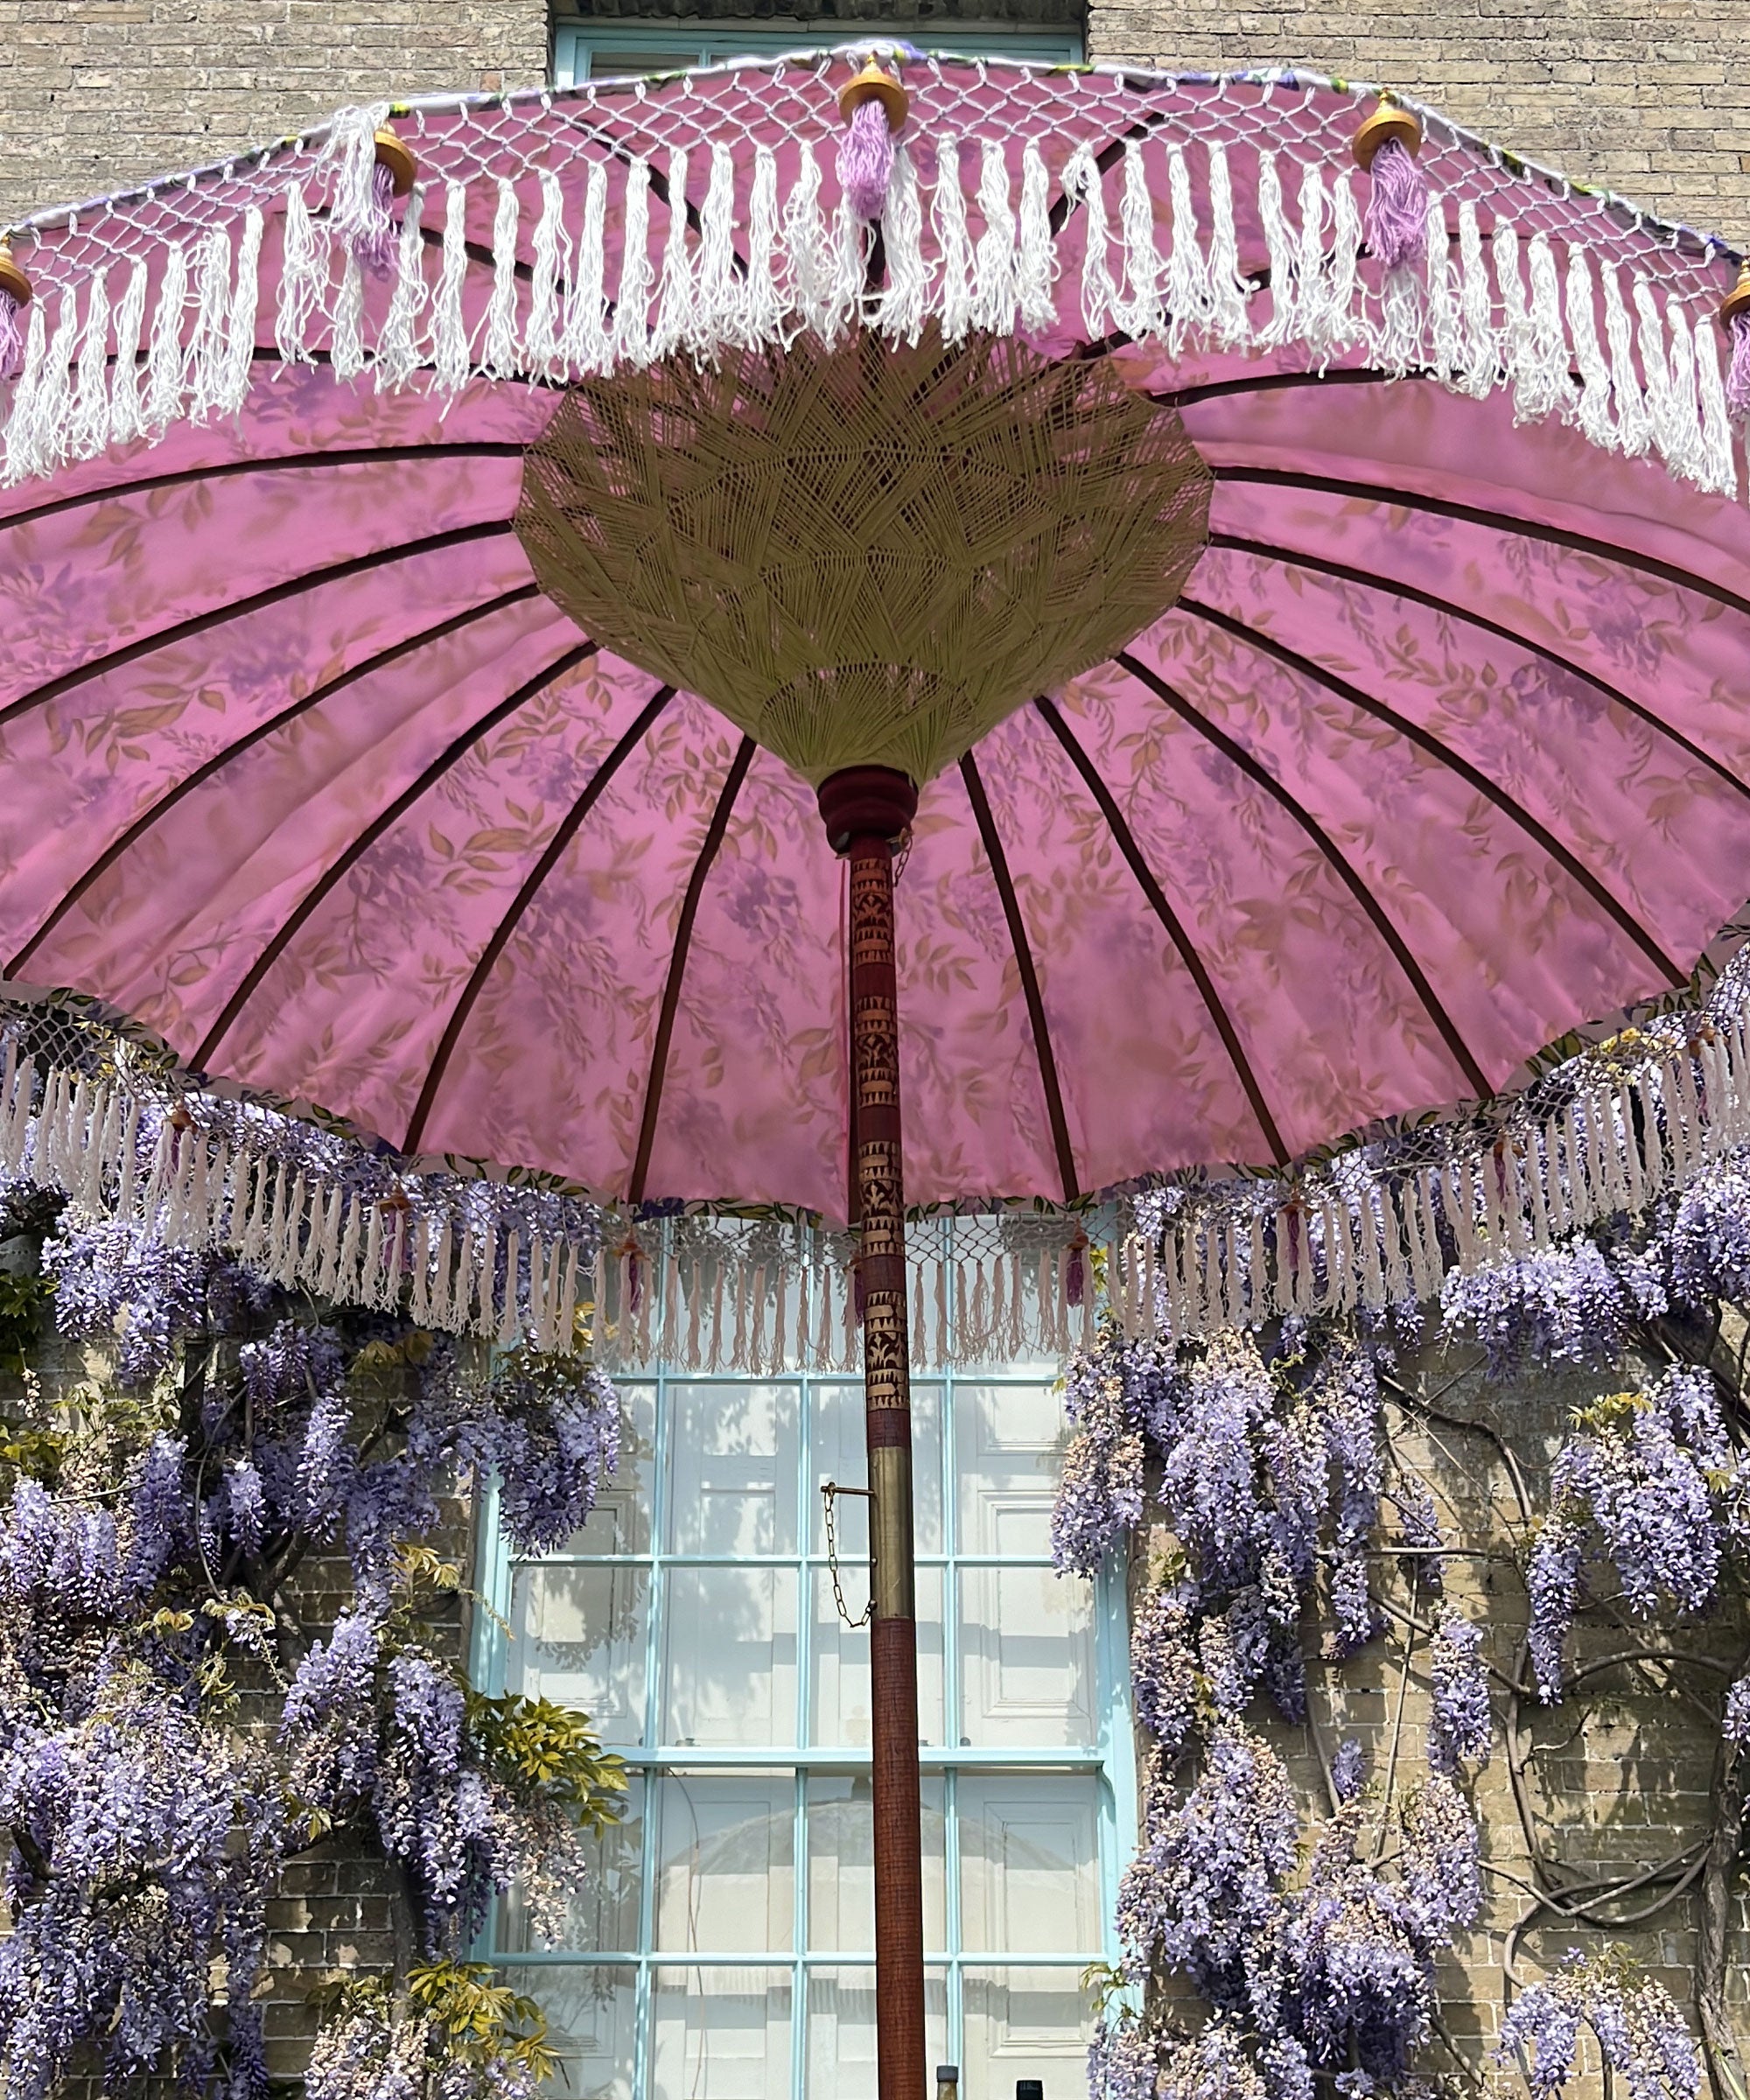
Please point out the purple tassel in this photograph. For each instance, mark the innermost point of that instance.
(1737, 380)
(374, 243)
(865, 159)
(1076, 1275)
(11, 337)
(1397, 209)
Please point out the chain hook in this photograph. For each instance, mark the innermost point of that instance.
(830, 1492)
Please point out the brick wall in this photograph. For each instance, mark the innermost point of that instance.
(1649, 101)
(97, 93)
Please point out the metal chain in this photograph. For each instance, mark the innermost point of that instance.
(830, 1492)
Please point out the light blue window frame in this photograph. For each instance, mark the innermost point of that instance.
(582, 50)
(1110, 1757)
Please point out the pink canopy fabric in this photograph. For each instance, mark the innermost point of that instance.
(1444, 751)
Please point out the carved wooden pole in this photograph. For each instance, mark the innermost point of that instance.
(866, 810)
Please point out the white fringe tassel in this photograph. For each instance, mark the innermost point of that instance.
(1382, 1240)
(748, 266)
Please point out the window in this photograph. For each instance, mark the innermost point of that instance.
(722, 1950)
(586, 51)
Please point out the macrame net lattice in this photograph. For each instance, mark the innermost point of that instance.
(553, 235)
(864, 557)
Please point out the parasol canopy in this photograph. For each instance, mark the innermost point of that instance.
(1431, 744)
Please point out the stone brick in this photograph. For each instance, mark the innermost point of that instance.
(1609, 93)
(98, 95)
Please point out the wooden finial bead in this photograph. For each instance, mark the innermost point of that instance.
(1737, 300)
(1387, 123)
(875, 84)
(394, 154)
(13, 281)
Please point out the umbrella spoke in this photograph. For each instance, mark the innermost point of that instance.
(1491, 521)
(1124, 838)
(1392, 587)
(317, 696)
(231, 470)
(677, 964)
(1239, 756)
(1274, 383)
(1473, 777)
(569, 826)
(275, 594)
(1029, 976)
(344, 863)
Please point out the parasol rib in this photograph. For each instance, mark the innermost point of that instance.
(1029, 984)
(231, 470)
(355, 851)
(167, 802)
(1391, 587)
(1443, 753)
(1125, 841)
(275, 594)
(1491, 521)
(1275, 383)
(1239, 756)
(567, 830)
(677, 964)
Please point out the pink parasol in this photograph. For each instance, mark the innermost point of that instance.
(1273, 567)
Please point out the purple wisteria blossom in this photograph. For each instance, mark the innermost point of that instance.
(146, 1529)
(1441, 1873)
(1420, 1528)
(1709, 1236)
(1101, 1496)
(1552, 1307)
(1164, 1666)
(112, 1283)
(1206, 1884)
(1640, 2034)
(1460, 1727)
(1647, 1486)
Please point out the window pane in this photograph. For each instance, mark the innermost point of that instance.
(836, 1452)
(732, 1468)
(1008, 1443)
(1025, 2023)
(721, 2035)
(620, 1521)
(725, 1862)
(1030, 1863)
(603, 1914)
(1026, 1658)
(619, 65)
(841, 2032)
(838, 1692)
(592, 2021)
(730, 1656)
(841, 1869)
(577, 1638)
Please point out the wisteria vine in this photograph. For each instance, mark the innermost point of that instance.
(1296, 1891)
(186, 1482)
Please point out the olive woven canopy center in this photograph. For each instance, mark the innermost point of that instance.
(867, 554)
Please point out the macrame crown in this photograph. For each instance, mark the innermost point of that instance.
(866, 559)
